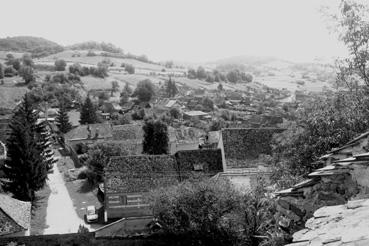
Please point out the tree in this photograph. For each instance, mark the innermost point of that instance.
(201, 73)
(1, 71)
(114, 87)
(127, 89)
(171, 88)
(26, 167)
(27, 60)
(26, 72)
(175, 113)
(129, 68)
(234, 76)
(155, 138)
(144, 91)
(208, 104)
(88, 112)
(220, 87)
(60, 65)
(191, 74)
(62, 119)
(99, 156)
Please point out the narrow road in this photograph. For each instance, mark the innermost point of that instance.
(60, 216)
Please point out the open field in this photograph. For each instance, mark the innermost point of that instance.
(11, 95)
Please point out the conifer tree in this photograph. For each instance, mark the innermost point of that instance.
(88, 112)
(171, 88)
(155, 138)
(62, 119)
(26, 166)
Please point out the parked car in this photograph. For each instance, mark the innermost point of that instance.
(91, 214)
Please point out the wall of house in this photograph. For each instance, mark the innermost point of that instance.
(125, 227)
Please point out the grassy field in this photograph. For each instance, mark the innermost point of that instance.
(38, 219)
(10, 95)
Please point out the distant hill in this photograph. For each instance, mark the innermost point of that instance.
(248, 60)
(38, 47)
(92, 45)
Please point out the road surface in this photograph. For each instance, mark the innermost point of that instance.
(60, 216)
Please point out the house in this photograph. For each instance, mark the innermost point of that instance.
(195, 115)
(243, 152)
(243, 147)
(173, 104)
(15, 217)
(128, 179)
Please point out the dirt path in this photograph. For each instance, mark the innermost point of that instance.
(60, 216)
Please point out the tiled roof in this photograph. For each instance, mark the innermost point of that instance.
(128, 132)
(140, 173)
(336, 225)
(18, 211)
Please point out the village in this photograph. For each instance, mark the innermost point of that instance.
(101, 146)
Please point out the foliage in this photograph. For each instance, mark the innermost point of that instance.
(1, 71)
(123, 119)
(125, 94)
(171, 88)
(88, 112)
(62, 119)
(26, 167)
(10, 72)
(212, 212)
(38, 47)
(217, 125)
(114, 87)
(144, 91)
(27, 60)
(155, 137)
(138, 114)
(201, 73)
(208, 104)
(175, 113)
(129, 68)
(91, 45)
(99, 156)
(26, 72)
(60, 65)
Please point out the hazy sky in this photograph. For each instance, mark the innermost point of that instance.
(185, 30)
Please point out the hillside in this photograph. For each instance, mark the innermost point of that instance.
(38, 47)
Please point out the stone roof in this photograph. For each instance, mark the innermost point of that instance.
(103, 130)
(339, 167)
(336, 225)
(18, 211)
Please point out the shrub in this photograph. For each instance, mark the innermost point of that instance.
(60, 65)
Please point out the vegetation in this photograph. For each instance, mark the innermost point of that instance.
(171, 88)
(38, 47)
(26, 72)
(26, 167)
(212, 212)
(88, 112)
(155, 138)
(114, 87)
(144, 91)
(60, 65)
(91, 45)
(98, 157)
(129, 68)
(62, 119)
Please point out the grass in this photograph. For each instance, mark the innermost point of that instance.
(39, 209)
(9, 96)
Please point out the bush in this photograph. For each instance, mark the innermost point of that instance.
(129, 68)
(60, 65)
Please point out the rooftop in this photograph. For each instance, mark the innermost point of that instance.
(336, 225)
(18, 211)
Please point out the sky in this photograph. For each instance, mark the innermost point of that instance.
(181, 30)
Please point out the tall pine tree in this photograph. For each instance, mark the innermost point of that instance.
(155, 138)
(62, 119)
(26, 166)
(88, 112)
(171, 88)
